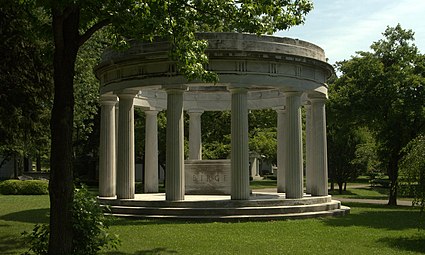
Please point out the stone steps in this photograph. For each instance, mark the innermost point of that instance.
(263, 200)
(257, 208)
(286, 216)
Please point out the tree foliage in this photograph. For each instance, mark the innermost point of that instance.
(216, 128)
(384, 91)
(25, 80)
(412, 169)
(89, 224)
(263, 134)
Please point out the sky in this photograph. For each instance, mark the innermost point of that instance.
(342, 27)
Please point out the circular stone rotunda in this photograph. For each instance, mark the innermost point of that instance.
(255, 72)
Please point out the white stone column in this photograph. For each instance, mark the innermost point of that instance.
(107, 160)
(174, 180)
(195, 139)
(239, 145)
(309, 173)
(280, 151)
(293, 146)
(255, 168)
(117, 114)
(319, 148)
(151, 152)
(125, 159)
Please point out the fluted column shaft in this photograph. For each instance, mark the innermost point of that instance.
(239, 145)
(308, 148)
(151, 152)
(320, 157)
(125, 164)
(195, 139)
(175, 146)
(107, 163)
(280, 151)
(293, 146)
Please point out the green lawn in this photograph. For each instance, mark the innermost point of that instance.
(363, 193)
(18, 214)
(369, 229)
(262, 184)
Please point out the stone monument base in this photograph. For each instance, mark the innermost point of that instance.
(207, 177)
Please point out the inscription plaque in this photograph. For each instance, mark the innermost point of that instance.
(207, 177)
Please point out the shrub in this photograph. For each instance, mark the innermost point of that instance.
(90, 225)
(9, 187)
(38, 240)
(408, 190)
(27, 187)
(90, 228)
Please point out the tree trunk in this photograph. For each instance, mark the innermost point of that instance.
(393, 175)
(332, 186)
(15, 167)
(340, 187)
(66, 38)
(26, 164)
(345, 186)
(38, 163)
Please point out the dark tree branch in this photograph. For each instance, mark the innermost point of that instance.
(96, 27)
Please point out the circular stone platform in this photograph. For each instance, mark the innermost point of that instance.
(260, 206)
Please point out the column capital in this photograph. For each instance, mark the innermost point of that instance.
(151, 112)
(108, 99)
(127, 93)
(280, 110)
(175, 89)
(317, 97)
(195, 111)
(292, 93)
(233, 89)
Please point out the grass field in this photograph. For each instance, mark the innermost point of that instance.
(369, 229)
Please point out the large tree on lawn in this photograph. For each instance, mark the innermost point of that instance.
(384, 91)
(75, 21)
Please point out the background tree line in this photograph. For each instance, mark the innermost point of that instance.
(376, 108)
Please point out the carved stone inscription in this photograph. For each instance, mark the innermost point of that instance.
(207, 177)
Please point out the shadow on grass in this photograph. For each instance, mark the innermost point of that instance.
(379, 217)
(144, 252)
(363, 193)
(344, 193)
(412, 244)
(11, 244)
(118, 221)
(29, 216)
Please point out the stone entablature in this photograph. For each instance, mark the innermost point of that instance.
(264, 62)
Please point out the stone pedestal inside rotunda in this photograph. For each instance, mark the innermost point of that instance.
(208, 177)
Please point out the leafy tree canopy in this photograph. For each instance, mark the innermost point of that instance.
(384, 90)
